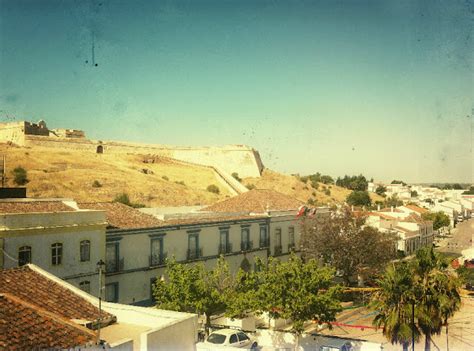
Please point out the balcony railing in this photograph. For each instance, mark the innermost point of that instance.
(225, 248)
(158, 259)
(291, 247)
(194, 253)
(113, 266)
(265, 242)
(278, 250)
(246, 245)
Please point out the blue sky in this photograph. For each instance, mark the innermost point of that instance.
(383, 88)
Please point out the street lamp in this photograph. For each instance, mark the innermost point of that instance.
(100, 268)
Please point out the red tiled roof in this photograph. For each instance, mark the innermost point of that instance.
(256, 201)
(417, 208)
(123, 216)
(382, 215)
(184, 221)
(24, 326)
(387, 209)
(33, 206)
(32, 287)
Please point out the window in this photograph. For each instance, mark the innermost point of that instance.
(56, 254)
(24, 255)
(85, 286)
(242, 336)
(85, 250)
(291, 235)
(112, 257)
(245, 239)
(263, 236)
(278, 236)
(111, 292)
(233, 339)
(224, 241)
(157, 256)
(193, 246)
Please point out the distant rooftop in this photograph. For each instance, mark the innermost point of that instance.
(256, 201)
(33, 206)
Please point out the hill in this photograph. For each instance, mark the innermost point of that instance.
(153, 181)
(293, 186)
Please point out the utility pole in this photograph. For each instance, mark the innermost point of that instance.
(100, 266)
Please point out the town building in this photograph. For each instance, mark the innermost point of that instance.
(54, 235)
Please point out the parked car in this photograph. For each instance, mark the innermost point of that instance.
(227, 338)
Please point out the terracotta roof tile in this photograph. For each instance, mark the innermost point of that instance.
(256, 201)
(123, 216)
(417, 208)
(32, 287)
(33, 206)
(382, 215)
(24, 326)
(208, 220)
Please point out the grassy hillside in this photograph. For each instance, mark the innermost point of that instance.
(292, 186)
(72, 174)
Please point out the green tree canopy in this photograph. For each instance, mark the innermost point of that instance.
(359, 198)
(20, 176)
(343, 242)
(440, 219)
(353, 182)
(380, 190)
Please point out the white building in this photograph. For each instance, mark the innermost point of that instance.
(54, 235)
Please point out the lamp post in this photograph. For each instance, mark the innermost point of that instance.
(100, 268)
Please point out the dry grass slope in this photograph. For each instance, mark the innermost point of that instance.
(292, 186)
(54, 173)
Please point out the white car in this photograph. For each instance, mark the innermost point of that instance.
(227, 338)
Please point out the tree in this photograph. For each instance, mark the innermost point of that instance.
(427, 286)
(353, 182)
(439, 219)
(393, 305)
(297, 290)
(398, 182)
(20, 176)
(393, 201)
(381, 190)
(470, 191)
(343, 242)
(192, 288)
(359, 198)
(213, 189)
(436, 291)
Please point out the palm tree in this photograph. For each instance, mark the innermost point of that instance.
(437, 292)
(393, 305)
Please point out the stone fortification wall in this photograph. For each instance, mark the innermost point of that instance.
(233, 158)
(13, 132)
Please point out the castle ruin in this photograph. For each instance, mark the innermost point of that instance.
(241, 159)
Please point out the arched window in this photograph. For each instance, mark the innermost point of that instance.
(56, 254)
(100, 149)
(85, 286)
(85, 248)
(24, 255)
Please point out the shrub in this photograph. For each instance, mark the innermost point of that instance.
(165, 178)
(123, 199)
(180, 182)
(96, 184)
(311, 202)
(20, 176)
(213, 189)
(327, 192)
(236, 176)
(251, 186)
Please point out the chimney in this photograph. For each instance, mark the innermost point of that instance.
(378, 207)
(352, 208)
(391, 208)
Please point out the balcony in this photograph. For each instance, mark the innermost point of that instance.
(246, 245)
(114, 266)
(264, 242)
(158, 259)
(225, 248)
(194, 254)
(278, 250)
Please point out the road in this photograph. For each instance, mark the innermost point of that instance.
(461, 238)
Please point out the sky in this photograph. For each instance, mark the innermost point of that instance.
(382, 88)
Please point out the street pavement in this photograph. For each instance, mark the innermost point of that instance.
(461, 238)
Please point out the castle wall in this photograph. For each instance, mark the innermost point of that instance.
(235, 158)
(13, 132)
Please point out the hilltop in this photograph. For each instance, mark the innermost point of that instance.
(150, 180)
(303, 191)
(153, 181)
